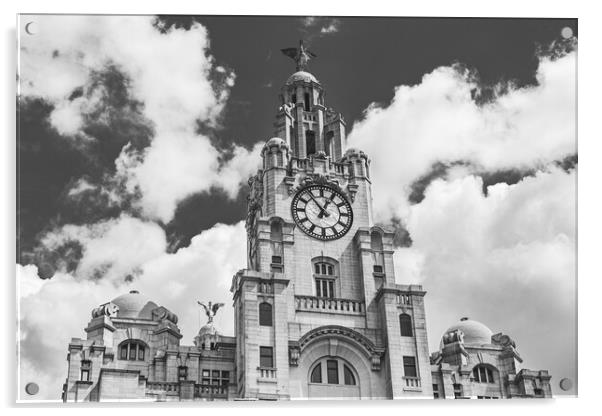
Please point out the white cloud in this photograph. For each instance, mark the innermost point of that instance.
(507, 260)
(323, 26)
(112, 249)
(438, 121)
(172, 75)
(333, 27)
(53, 311)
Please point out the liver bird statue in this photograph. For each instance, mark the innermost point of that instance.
(210, 310)
(300, 55)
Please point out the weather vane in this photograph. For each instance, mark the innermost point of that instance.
(210, 310)
(300, 55)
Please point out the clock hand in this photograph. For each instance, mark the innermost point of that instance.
(318, 204)
(324, 212)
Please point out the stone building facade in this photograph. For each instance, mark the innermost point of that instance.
(318, 312)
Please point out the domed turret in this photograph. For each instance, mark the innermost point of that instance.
(474, 333)
(275, 153)
(134, 305)
(207, 338)
(301, 76)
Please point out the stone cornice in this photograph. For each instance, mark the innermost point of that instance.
(400, 290)
(168, 330)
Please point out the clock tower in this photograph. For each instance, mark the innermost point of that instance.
(318, 312)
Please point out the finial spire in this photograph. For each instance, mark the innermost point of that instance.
(300, 55)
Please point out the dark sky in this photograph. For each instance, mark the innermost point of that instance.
(359, 65)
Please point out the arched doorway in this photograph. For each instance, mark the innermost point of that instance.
(333, 378)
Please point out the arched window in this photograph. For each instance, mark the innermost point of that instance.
(405, 325)
(132, 350)
(265, 314)
(349, 377)
(376, 241)
(483, 374)
(316, 374)
(325, 274)
(276, 231)
(330, 370)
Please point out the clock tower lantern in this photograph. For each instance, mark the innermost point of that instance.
(318, 312)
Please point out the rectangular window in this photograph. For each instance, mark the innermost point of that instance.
(225, 378)
(378, 269)
(182, 373)
(205, 373)
(325, 288)
(266, 357)
(409, 367)
(277, 259)
(141, 353)
(132, 351)
(85, 370)
(332, 371)
(457, 391)
(123, 354)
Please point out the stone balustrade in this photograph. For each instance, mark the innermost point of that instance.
(267, 373)
(412, 382)
(330, 305)
(404, 299)
(163, 386)
(211, 391)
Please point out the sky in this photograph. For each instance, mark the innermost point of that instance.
(137, 134)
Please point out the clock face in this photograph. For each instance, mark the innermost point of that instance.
(321, 212)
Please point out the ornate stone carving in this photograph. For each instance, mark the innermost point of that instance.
(293, 355)
(108, 309)
(254, 199)
(453, 336)
(319, 179)
(503, 340)
(161, 313)
(372, 352)
(375, 362)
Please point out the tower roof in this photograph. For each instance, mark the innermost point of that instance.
(301, 76)
(134, 305)
(475, 333)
